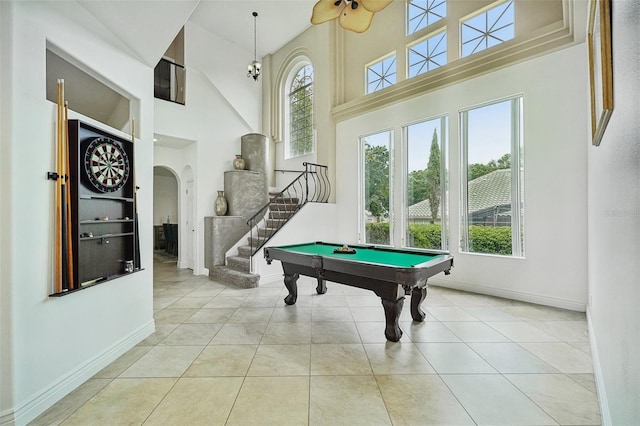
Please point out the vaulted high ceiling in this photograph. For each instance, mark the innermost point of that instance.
(147, 28)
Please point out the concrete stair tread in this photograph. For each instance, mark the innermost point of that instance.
(285, 200)
(239, 263)
(244, 251)
(234, 277)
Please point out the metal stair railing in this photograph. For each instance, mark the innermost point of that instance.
(311, 186)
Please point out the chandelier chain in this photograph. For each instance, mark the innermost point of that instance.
(255, 39)
(254, 67)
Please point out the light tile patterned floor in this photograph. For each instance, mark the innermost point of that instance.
(228, 356)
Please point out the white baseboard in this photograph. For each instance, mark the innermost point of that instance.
(490, 291)
(270, 278)
(6, 418)
(510, 294)
(597, 373)
(29, 410)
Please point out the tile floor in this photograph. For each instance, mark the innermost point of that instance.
(227, 356)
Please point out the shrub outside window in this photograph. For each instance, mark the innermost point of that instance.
(492, 181)
(375, 151)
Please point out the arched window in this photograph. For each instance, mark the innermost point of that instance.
(300, 117)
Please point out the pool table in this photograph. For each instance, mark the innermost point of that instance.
(388, 272)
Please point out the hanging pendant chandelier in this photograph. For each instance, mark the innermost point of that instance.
(254, 66)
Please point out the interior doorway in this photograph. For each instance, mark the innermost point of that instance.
(165, 215)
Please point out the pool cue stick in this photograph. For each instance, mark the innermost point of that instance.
(63, 194)
(57, 278)
(136, 241)
(67, 177)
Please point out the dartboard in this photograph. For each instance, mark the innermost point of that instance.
(106, 164)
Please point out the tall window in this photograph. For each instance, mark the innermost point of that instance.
(422, 13)
(301, 113)
(492, 190)
(427, 55)
(381, 74)
(376, 159)
(426, 215)
(488, 29)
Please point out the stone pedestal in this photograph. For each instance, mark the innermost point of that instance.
(220, 234)
(245, 193)
(254, 148)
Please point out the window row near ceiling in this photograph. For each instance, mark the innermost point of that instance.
(484, 29)
(491, 208)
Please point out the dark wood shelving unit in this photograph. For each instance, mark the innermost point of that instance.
(103, 209)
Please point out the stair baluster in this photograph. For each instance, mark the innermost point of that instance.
(311, 186)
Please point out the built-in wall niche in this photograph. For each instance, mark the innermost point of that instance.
(86, 94)
(104, 243)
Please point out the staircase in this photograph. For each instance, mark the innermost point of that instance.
(237, 270)
(312, 185)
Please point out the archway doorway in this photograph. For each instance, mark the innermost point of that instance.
(165, 215)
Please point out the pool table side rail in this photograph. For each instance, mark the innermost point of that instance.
(413, 252)
(410, 276)
(366, 246)
(404, 276)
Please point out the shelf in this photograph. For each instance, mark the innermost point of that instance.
(93, 222)
(92, 283)
(104, 233)
(103, 236)
(105, 197)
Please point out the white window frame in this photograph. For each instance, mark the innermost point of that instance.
(362, 234)
(286, 90)
(426, 39)
(408, 31)
(377, 61)
(477, 13)
(444, 179)
(517, 185)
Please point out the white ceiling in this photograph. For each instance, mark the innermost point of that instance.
(278, 22)
(147, 28)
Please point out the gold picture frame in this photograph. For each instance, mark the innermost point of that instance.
(600, 67)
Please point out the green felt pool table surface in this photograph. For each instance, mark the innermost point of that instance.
(378, 255)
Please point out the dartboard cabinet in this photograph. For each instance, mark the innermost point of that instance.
(103, 203)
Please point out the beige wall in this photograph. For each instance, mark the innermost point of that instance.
(57, 343)
(6, 288)
(554, 269)
(384, 38)
(315, 44)
(614, 231)
(339, 58)
(492, 74)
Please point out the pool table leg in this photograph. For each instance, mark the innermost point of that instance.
(291, 282)
(322, 286)
(392, 310)
(418, 294)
